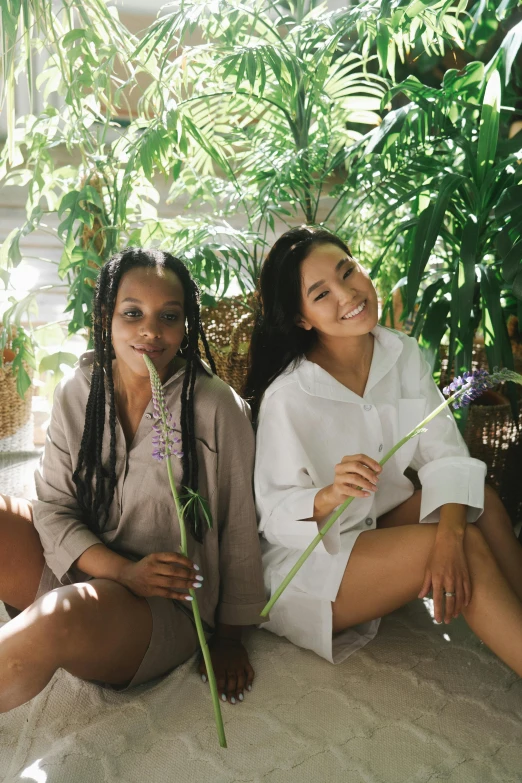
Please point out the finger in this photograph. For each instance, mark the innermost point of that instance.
(426, 585)
(176, 557)
(250, 674)
(221, 683)
(173, 570)
(354, 492)
(437, 601)
(180, 585)
(354, 480)
(365, 460)
(360, 471)
(202, 670)
(231, 687)
(459, 599)
(240, 686)
(174, 595)
(449, 605)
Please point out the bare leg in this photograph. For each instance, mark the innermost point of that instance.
(95, 630)
(494, 523)
(21, 555)
(408, 513)
(386, 570)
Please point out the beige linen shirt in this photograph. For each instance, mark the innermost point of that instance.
(142, 517)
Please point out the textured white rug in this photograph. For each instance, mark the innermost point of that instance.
(421, 703)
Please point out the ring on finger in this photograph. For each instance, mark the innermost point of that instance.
(449, 594)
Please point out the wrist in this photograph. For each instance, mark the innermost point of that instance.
(102, 563)
(324, 503)
(120, 570)
(453, 520)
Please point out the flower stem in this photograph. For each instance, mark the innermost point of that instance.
(336, 514)
(197, 617)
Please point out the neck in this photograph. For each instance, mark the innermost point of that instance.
(129, 386)
(341, 352)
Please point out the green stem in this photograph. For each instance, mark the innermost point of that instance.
(197, 617)
(336, 514)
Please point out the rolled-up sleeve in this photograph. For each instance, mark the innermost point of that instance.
(242, 591)
(284, 489)
(446, 471)
(56, 515)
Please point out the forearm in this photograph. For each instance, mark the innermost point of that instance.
(102, 563)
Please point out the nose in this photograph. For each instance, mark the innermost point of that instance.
(150, 326)
(346, 293)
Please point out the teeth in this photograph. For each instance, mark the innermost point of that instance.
(355, 312)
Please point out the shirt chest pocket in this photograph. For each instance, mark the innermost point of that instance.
(410, 413)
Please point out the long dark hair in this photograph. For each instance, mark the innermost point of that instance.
(94, 483)
(277, 340)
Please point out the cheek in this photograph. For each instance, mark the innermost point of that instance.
(118, 330)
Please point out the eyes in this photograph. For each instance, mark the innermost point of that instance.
(347, 273)
(132, 315)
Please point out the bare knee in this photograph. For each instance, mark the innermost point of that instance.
(494, 518)
(11, 507)
(89, 614)
(476, 546)
(63, 614)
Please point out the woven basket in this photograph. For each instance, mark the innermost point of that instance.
(16, 432)
(479, 360)
(492, 436)
(228, 328)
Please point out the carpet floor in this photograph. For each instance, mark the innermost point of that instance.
(421, 703)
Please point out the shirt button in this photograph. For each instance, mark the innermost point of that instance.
(148, 415)
(380, 447)
(367, 407)
(369, 521)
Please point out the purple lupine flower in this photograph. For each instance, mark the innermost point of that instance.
(164, 438)
(471, 385)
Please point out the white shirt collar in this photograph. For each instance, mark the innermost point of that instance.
(319, 383)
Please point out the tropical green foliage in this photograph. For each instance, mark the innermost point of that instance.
(449, 207)
(285, 111)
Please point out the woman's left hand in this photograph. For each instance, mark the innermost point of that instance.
(234, 674)
(447, 572)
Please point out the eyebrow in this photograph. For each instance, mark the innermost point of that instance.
(165, 304)
(321, 282)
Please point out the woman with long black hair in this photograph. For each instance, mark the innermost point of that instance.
(333, 391)
(91, 572)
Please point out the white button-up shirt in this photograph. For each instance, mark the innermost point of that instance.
(308, 422)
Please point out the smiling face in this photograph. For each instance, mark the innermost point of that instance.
(149, 318)
(338, 298)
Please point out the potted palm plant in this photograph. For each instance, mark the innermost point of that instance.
(451, 205)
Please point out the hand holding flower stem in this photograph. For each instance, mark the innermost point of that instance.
(465, 389)
(164, 448)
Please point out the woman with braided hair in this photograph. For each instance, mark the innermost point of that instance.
(90, 572)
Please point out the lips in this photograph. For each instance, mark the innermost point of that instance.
(355, 312)
(150, 350)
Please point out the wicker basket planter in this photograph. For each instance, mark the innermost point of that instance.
(228, 328)
(16, 424)
(492, 435)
